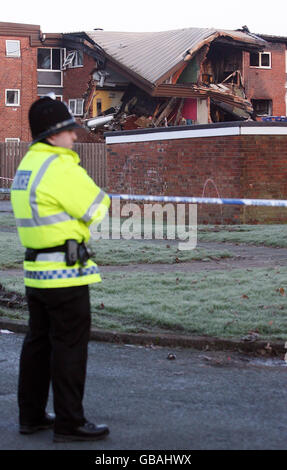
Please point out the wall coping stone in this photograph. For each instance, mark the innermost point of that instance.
(235, 128)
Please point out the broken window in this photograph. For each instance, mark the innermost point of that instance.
(262, 107)
(73, 59)
(260, 59)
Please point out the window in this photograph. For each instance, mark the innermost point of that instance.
(262, 107)
(73, 59)
(99, 106)
(12, 139)
(261, 60)
(13, 48)
(77, 106)
(48, 59)
(12, 97)
(57, 97)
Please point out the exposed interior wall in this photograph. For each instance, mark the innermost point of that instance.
(202, 112)
(227, 165)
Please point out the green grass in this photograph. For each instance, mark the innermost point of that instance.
(268, 235)
(216, 303)
(115, 252)
(223, 304)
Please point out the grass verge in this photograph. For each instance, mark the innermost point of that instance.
(224, 304)
(116, 252)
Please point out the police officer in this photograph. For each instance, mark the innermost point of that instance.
(54, 203)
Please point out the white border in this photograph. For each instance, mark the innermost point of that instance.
(264, 130)
(18, 94)
(172, 135)
(196, 133)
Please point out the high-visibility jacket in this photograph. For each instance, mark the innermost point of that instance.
(55, 200)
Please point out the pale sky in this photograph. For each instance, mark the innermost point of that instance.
(149, 15)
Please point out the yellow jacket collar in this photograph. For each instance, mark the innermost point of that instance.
(43, 147)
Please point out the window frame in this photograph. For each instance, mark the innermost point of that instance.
(75, 101)
(51, 69)
(270, 106)
(260, 66)
(74, 53)
(15, 140)
(18, 52)
(18, 94)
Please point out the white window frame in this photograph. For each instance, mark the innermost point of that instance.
(14, 43)
(70, 58)
(51, 60)
(12, 139)
(52, 70)
(262, 66)
(56, 96)
(73, 103)
(18, 95)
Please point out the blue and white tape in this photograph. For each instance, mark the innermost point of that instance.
(201, 200)
(193, 200)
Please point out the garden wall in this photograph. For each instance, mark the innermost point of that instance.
(227, 160)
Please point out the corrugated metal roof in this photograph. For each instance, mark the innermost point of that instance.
(153, 54)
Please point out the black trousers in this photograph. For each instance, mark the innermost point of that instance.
(55, 351)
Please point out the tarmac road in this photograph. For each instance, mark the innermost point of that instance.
(199, 400)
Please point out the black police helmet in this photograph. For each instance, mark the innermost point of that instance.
(48, 116)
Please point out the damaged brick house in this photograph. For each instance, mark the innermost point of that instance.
(265, 79)
(193, 75)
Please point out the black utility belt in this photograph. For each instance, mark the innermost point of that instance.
(73, 250)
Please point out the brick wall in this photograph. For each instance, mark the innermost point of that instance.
(227, 166)
(75, 83)
(17, 73)
(267, 83)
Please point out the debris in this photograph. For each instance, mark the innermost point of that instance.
(6, 332)
(171, 356)
(12, 299)
(281, 291)
(251, 336)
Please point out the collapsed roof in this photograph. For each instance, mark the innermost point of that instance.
(154, 56)
(177, 63)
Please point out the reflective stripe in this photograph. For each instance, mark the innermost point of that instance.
(48, 220)
(61, 273)
(36, 219)
(57, 256)
(89, 214)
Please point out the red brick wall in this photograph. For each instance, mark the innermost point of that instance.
(270, 83)
(75, 83)
(17, 73)
(245, 166)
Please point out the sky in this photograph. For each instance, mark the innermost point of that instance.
(149, 15)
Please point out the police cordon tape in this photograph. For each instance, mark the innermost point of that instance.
(192, 200)
(201, 200)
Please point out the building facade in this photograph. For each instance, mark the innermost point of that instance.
(33, 64)
(265, 78)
